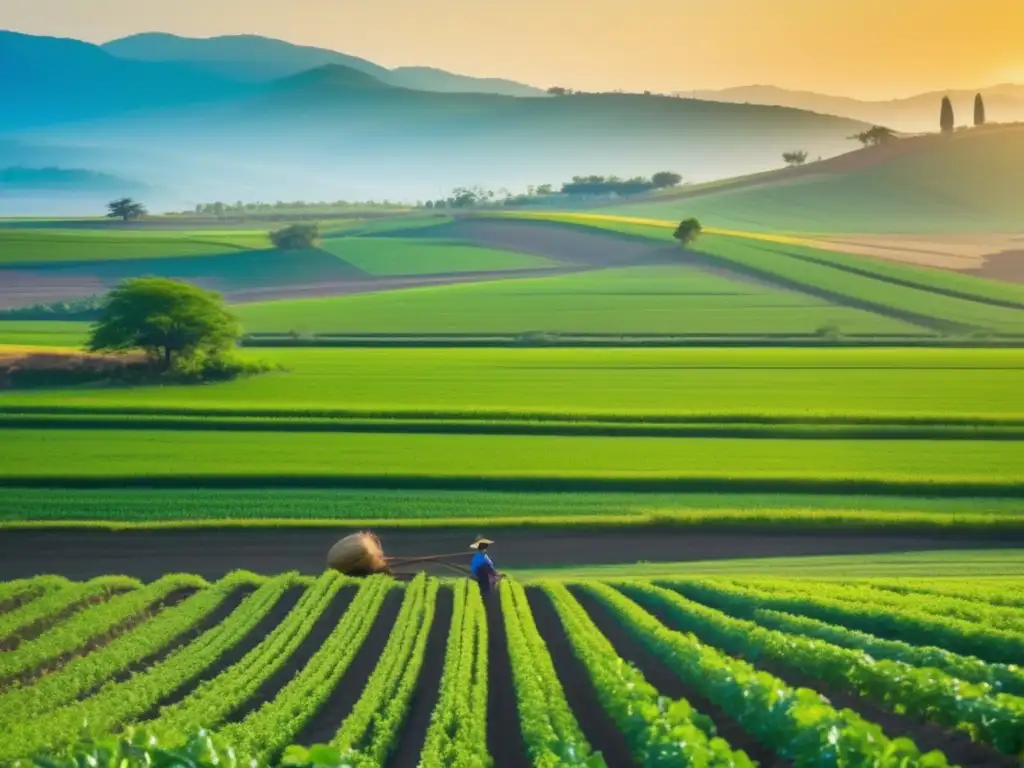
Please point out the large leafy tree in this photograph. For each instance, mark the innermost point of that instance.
(125, 209)
(687, 231)
(167, 319)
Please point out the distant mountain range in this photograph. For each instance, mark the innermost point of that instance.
(1003, 103)
(251, 118)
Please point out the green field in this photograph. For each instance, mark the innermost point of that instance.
(46, 246)
(676, 300)
(44, 333)
(393, 256)
(965, 183)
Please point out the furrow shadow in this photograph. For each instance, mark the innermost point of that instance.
(504, 730)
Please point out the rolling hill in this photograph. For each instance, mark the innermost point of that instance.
(251, 58)
(967, 182)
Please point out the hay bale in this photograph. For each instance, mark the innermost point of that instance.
(358, 555)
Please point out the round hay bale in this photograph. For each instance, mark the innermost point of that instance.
(358, 555)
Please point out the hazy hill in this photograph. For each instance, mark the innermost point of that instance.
(253, 58)
(972, 181)
(1003, 103)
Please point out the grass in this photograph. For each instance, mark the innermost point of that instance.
(44, 333)
(28, 453)
(48, 246)
(836, 384)
(665, 299)
(988, 564)
(394, 256)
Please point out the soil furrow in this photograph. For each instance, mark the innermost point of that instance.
(428, 688)
(504, 731)
(661, 676)
(324, 725)
(601, 731)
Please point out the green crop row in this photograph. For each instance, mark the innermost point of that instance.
(552, 735)
(268, 730)
(926, 693)
(997, 593)
(457, 735)
(367, 735)
(659, 732)
(93, 622)
(88, 672)
(58, 602)
(797, 723)
(117, 704)
(17, 593)
(919, 627)
(1001, 677)
(997, 617)
(214, 700)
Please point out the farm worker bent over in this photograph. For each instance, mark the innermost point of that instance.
(481, 567)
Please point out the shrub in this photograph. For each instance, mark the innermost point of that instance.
(687, 231)
(297, 237)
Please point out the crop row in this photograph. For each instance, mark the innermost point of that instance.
(919, 627)
(269, 729)
(550, 730)
(117, 703)
(998, 592)
(797, 723)
(93, 622)
(457, 735)
(926, 693)
(368, 733)
(213, 700)
(658, 732)
(89, 672)
(16, 593)
(58, 602)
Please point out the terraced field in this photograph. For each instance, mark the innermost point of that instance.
(714, 671)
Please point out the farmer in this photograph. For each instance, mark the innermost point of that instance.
(482, 567)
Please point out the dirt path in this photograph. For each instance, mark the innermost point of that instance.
(504, 731)
(83, 554)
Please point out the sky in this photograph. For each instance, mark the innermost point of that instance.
(866, 49)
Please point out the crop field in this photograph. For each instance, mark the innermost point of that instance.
(44, 333)
(388, 256)
(680, 670)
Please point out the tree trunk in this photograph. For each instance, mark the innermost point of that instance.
(167, 358)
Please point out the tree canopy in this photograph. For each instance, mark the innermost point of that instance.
(125, 209)
(297, 237)
(979, 110)
(797, 157)
(687, 231)
(875, 135)
(946, 119)
(664, 179)
(169, 320)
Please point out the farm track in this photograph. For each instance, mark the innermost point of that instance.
(233, 655)
(505, 741)
(211, 620)
(323, 726)
(670, 684)
(322, 628)
(598, 728)
(428, 687)
(82, 554)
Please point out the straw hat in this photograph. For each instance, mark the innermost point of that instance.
(480, 540)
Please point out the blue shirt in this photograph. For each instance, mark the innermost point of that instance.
(480, 559)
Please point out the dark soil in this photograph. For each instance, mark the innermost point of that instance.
(322, 628)
(212, 553)
(504, 731)
(428, 688)
(668, 683)
(957, 746)
(22, 598)
(48, 622)
(235, 654)
(326, 722)
(600, 730)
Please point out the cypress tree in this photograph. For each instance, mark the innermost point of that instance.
(946, 119)
(979, 110)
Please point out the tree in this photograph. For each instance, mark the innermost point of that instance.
(687, 231)
(946, 118)
(557, 90)
(665, 179)
(545, 189)
(979, 110)
(167, 319)
(874, 136)
(297, 237)
(125, 209)
(798, 157)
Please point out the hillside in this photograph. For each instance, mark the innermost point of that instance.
(251, 58)
(1003, 103)
(968, 182)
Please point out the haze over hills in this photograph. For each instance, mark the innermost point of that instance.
(338, 131)
(1004, 103)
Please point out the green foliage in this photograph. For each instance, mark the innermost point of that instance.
(795, 158)
(164, 318)
(687, 231)
(296, 237)
(666, 179)
(125, 209)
